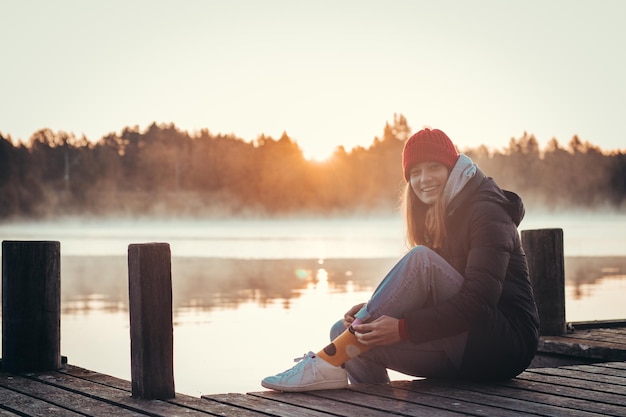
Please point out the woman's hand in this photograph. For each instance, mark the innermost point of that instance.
(348, 318)
(380, 332)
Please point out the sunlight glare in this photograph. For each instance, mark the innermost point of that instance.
(317, 152)
(322, 279)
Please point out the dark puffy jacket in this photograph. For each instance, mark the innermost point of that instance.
(496, 303)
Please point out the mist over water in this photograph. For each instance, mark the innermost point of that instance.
(251, 294)
(585, 234)
(236, 238)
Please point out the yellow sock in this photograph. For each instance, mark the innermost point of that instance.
(343, 348)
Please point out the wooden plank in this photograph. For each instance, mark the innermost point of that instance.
(550, 395)
(553, 384)
(283, 407)
(619, 330)
(382, 403)
(422, 403)
(311, 400)
(25, 405)
(61, 398)
(115, 396)
(97, 377)
(612, 331)
(596, 333)
(592, 386)
(603, 370)
(550, 385)
(213, 407)
(573, 373)
(598, 350)
(604, 347)
(614, 365)
(601, 335)
(459, 391)
(180, 399)
(6, 413)
(594, 324)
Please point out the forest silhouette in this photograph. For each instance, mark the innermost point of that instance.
(164, 171)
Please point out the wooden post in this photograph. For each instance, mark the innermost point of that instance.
(544, 251)
(31, 306)
(151, 329)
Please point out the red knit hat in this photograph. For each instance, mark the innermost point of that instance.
(428, 145)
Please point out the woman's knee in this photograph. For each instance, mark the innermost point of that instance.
(420, 251)
(423, 255)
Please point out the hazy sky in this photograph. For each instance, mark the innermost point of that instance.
(328, 72)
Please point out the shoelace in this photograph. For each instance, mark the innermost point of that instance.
(301, 358)
(301, 363)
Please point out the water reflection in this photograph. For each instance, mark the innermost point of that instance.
(100, 283)
(88, 303)
(586, 275)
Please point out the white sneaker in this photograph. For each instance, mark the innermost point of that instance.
(310, 374)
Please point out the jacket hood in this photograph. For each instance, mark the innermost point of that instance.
(483, 188)
(514, 206)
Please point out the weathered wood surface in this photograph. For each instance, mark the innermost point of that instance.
(546, 265)
(151, 322)
(588, 342)
(582, 390)
(31, 305)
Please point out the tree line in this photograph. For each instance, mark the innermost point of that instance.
(164, 171)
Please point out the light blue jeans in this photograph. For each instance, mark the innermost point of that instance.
(420, 279)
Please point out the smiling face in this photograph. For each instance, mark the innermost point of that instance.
(428, 180)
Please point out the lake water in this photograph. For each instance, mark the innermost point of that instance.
(250, 295)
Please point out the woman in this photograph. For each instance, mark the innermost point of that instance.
(459, 304)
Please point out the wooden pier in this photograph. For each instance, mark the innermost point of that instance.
(580, 390)
(580, 370)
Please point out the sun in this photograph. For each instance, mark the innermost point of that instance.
(317, 152)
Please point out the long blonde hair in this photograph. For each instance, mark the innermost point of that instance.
(425, 225)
